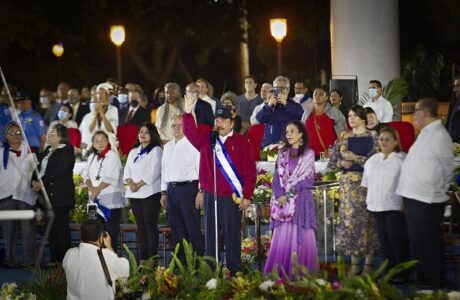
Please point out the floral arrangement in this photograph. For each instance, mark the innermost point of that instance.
(270, 152)
(11, 291)
(78, 213)
(456, 150)
(263, 190)
(249, 248)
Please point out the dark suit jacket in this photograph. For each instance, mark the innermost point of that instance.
(83, 109)
(453, 121)
(140, 117)
(122, 113)
(58, 178)
(203, 112)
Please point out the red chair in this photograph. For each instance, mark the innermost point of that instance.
(75, 137)
(127, 137)
(406, 133)
(255, 136)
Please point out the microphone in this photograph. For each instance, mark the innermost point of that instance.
(214, 135)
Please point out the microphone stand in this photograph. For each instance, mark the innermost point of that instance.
(214, 140)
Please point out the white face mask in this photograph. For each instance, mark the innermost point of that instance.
(123, 98)
(62, 114)
(298, 97)
(44, 100)
(92, 106)
(372, 92)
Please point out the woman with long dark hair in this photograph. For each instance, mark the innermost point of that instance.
(103, 178)
(293, 218)
(356, 235)
(56, 172)
(143, 176)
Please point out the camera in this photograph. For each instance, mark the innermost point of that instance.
(276, 92)
(91, 210)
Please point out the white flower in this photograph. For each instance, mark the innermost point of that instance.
(145, 296)
(211, 284)
(321, 282)
(266, 285)
(454, 295)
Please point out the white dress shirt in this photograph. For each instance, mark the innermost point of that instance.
(15, 179)
(180, 162)
(382, 108)
(147, 168)
(165, 131)
(110, 171)
(427, 170)
(381, 178)
(253, 118)
(87, 135)
(85, 276)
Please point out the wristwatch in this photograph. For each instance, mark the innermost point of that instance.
(163, 192)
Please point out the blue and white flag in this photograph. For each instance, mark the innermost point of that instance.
(228, 169)
(102, 210)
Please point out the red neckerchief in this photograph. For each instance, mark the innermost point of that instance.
(103, 152)
(18, 153)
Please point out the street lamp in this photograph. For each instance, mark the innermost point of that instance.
(58, 49)
(117, 36)
(278, 29)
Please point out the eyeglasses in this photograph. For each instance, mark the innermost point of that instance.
(282, 88)
(14, 133)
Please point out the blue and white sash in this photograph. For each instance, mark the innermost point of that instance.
(228, 169)
(102, 210)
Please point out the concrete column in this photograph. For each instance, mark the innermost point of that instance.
(365, 40)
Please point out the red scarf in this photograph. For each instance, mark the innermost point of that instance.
(103, 152)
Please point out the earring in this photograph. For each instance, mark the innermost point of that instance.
(301, 142)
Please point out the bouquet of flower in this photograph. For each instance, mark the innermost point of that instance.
(265, 243)
(271, 151)
(248, 251)
(263, 190)
(456, 149)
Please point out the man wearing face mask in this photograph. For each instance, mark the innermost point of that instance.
(47, 102)
(123, 105)
(382, 107)
(301, 95)
(79, 109)
(137, 115)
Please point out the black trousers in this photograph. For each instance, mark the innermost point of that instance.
(184, 218)
(229, 222)
(146, 212)
(394, 241)
(59, 238)
(426, 240)
(112, 226)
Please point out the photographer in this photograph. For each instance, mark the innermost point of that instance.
(278, 111)
(92, 268)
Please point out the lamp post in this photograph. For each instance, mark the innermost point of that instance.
(58, 51)
(117, 36)
(278, 29)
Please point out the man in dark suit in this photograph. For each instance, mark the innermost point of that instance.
(203, 110)
(123, 109)
(80, 107)
(137, 115)
(453, 116)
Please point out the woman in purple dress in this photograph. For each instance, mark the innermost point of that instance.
(293, 219)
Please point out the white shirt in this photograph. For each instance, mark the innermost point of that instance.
(224, 138)
(253, 118)
(87, 135)
(382, 108)
(85, 276)
(165, 131)
(106, 170)
(180, 162)
(427, 170)
(210, 101)
(381, 178)
(15, 179)
(147, 168)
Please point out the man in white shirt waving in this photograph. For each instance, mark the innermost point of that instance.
(423, 183)
(180, 192)
(382, 107)
(87, 278)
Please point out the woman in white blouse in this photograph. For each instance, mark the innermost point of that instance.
(16, 194)
(103, 178)
(381, 176)
(143, 177)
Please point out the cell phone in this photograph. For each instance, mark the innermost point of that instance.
(91, 210)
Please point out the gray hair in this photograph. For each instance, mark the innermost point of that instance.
(164, 119)
(175, 116)
(228, 95)
(283, 79)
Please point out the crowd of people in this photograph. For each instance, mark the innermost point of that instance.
(191, 153)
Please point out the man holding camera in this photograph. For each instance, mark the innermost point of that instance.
(278, 111)
(92, 268)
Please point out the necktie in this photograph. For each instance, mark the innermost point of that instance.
(130, 116)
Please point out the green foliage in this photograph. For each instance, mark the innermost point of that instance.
(395, 91)
(48, 284)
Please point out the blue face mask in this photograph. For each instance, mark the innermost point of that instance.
(123, 98)
(62, 114)
(92, 106)
(372, 92)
